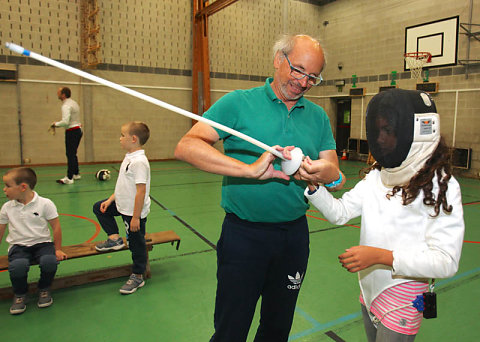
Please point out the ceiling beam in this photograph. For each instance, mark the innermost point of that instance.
(214, 7)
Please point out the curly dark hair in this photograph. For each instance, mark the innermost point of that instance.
(438, 164)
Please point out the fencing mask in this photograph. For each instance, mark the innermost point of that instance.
(403, 130)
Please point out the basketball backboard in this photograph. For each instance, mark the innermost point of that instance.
(440, 38)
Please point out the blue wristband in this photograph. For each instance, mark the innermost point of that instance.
(335, 183)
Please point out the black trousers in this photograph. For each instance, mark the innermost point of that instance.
(136, 240)
(19, 260)
(259, 259)
(72, 140)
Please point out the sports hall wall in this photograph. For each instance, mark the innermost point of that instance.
(146, 45)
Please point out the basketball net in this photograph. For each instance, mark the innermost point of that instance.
(415, 62)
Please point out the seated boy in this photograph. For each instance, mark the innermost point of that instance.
(131, 200)
(28, 216)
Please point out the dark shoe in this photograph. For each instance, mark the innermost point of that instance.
(44, 299)
(18, 305)
(132, 285)
(110, 245)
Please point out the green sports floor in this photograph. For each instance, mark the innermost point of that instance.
(177, 303)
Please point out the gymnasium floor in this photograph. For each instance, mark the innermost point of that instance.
(177, 302)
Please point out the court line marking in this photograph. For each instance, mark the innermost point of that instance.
(317, 326)
(334, 336)
(185, 224)
(98, 229)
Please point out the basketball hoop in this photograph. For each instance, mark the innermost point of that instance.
(415, 62)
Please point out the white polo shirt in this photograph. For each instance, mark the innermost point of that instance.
(70, 114)
(28, 224)
(135, 169)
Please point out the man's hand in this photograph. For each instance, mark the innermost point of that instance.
(51, 129)
(263, 168)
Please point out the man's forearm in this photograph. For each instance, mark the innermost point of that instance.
(205, 157)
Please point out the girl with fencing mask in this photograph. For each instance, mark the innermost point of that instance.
(411, 214)
(403, 130)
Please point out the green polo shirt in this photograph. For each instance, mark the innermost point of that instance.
(258, 113)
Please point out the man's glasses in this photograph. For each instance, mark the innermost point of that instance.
(299, 74)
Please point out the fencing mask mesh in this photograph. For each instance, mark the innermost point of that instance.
(390, 123)
(403, 130)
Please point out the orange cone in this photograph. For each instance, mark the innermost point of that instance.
(344, 155)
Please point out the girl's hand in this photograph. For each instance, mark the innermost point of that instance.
(358, 258)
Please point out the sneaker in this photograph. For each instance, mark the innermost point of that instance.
(110, 245)
(18, 305)
(132, 284)
(65, 180)
(44, 299)
(77, 177)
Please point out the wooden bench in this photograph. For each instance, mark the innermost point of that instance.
(87, 249)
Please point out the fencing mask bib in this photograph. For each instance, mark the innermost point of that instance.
(403, 130)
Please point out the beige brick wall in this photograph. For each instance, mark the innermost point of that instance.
(10, 147)
(147, 33)
(107, 110)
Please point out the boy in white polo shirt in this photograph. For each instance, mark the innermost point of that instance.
(131, 200)
(28, 216)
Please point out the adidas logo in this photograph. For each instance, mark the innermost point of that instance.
(296, 281)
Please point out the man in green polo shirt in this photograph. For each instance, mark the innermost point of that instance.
(264, 245)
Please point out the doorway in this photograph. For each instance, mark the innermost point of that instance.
(344, 107)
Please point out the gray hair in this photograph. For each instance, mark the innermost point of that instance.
(286, 42)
